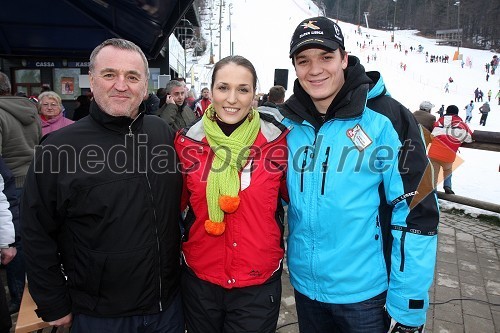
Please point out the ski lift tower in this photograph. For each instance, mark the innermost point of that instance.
(394, 24)
(366, 19)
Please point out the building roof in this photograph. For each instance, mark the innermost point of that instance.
(73, 28)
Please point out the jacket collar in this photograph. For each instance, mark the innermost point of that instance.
(270, 127)
(121, 124)
(47, 122)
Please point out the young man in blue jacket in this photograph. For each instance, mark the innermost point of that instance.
(361, 260)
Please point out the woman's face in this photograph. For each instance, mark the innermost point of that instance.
(50, 108)
(232, 93)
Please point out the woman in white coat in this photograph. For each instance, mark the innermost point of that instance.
(7, 253)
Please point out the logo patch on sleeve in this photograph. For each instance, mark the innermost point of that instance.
(416, 304)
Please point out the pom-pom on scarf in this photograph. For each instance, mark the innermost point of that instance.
(230, 156)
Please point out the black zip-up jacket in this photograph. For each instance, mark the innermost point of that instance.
(102, 198)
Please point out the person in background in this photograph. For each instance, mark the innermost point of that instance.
(468, 112)
(152, 103)
(102, 231)
(358, 159)
(441, 110)
(484, 110)
(233, 242)
(161, 93)
(262, 99)
(426, 120)
(498, 96)
(256, 101)
(203, 103)
(186, 90)
(190, 99)
(476, 95)
(449, 132)
(49, 108)
(9, 211)
(20, 131)
(82, 110)
(175, 111)
(275, 97)
(489, 95)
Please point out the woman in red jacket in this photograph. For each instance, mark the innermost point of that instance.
(234, 164)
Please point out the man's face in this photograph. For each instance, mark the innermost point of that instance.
(321, 74)
(178, 94)
(205, 93)
(118, 81)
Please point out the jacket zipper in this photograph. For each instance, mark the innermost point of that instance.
(402, 266)
(302, 169)
(130, 133)
(324, 169)
(157, 240)
(304, 162)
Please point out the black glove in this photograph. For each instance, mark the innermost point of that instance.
(395, 327)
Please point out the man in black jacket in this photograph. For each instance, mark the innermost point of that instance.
(101, 209)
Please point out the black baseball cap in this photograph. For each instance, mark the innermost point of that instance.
(317, 32)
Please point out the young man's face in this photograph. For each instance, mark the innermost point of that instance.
(205, 93)
(321, 74)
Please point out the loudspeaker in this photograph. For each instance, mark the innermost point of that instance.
(163, 79)
(281, 77)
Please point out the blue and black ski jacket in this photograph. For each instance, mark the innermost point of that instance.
(359, 224)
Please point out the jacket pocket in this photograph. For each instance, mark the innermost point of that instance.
(112, 283)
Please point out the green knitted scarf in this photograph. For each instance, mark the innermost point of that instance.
(230, 156)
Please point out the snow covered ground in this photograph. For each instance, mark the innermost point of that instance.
(261, 32)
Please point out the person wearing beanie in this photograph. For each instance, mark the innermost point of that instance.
(234, 164)
(449, 132)
(347, 198)
(425, 119)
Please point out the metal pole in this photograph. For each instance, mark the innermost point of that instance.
(185, 61)
(394, 25)
(211, 46)
(338, 5)
(230, 30)
(220, 28)
(359, 13)
(458, 31)
(211, 61)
